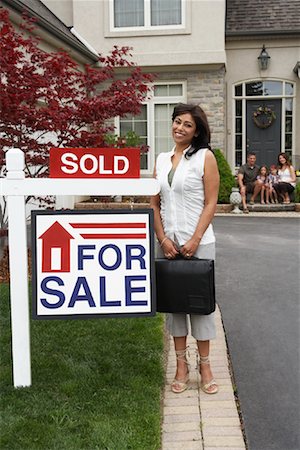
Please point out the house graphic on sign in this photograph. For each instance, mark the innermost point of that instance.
(56, 249)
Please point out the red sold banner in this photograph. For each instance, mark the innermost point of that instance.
(95, 163)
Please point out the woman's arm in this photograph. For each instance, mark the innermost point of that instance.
(293, 174)
(211, 180)
(158, 228)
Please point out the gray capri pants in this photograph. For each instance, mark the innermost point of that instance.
(203, 328)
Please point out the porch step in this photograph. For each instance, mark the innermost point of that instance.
(277, 207)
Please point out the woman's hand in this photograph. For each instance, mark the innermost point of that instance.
(169, 248)
(189, 248)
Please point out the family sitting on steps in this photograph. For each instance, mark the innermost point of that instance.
(274, 185)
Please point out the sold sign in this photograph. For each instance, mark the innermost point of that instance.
(95, 163)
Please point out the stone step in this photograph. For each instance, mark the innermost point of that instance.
(277, 207)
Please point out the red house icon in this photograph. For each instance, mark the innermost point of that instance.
(56, 237)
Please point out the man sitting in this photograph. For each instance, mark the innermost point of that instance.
(247, 179)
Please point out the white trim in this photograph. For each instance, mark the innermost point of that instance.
(84, 42)
(78, 186)
(244, 126)
(147, 20)
(294, 122)
(147, 14)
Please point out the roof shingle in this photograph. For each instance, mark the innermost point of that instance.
(244, 17)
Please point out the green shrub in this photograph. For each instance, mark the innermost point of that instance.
(297, 193)
(227, 180)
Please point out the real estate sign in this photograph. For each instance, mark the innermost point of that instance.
(92, 263)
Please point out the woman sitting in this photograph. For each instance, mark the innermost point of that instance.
(287, 178)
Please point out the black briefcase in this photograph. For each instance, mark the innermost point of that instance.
(185, 285)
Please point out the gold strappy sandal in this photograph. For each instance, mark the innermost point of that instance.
(179, 386)
(206, 387)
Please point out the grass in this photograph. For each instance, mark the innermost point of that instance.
(96, 384)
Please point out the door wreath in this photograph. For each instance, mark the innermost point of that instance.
(263, 117)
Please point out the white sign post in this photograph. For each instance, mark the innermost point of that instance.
(15, 187)
(17, 241)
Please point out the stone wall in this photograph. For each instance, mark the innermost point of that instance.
(207, 89)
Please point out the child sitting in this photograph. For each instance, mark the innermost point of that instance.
(262, 178)
(273, 178)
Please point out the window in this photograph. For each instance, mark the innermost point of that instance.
(153, 124)
(139, 125)
(288, 126)
(266, 89)
(165, 12)
(166, 96)
(146, 13)
(238, 132)
(129, 13)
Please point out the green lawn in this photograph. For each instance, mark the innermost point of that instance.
(96, 384)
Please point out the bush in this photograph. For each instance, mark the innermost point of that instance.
(227, 180)
(297, 193)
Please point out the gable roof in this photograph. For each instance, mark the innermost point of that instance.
(49, 22)
(262, 17)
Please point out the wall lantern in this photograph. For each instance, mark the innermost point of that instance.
(263, 59)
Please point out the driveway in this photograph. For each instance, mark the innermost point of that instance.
(257, 274)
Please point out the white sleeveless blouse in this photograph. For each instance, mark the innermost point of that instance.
(285, 175)
(182, 203)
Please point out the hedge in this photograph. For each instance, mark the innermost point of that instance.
(227, 180)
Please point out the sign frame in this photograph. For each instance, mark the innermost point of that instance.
(36, 316)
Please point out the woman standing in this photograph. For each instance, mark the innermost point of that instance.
(287, 178)
(183, 211)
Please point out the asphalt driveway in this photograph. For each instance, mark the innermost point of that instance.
(257, 276)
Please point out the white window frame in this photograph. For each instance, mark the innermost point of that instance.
(150, 103)
(147, 20)
(244, 99)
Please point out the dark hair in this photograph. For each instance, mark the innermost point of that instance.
(263, 166)
(251, 154)
(288, 162)
(202, 140)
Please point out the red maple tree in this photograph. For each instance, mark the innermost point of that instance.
(47, 100)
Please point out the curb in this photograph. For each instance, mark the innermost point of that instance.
(289, 214)
(193, 419)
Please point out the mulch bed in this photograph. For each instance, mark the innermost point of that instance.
(4, 265)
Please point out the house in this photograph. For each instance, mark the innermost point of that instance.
(54, 35)
(207, 52)
(53, 32)
(239, 62)
(274, 25)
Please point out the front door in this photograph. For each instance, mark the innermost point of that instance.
(264, 130)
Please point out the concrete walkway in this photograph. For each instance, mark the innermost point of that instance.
(195, 420)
